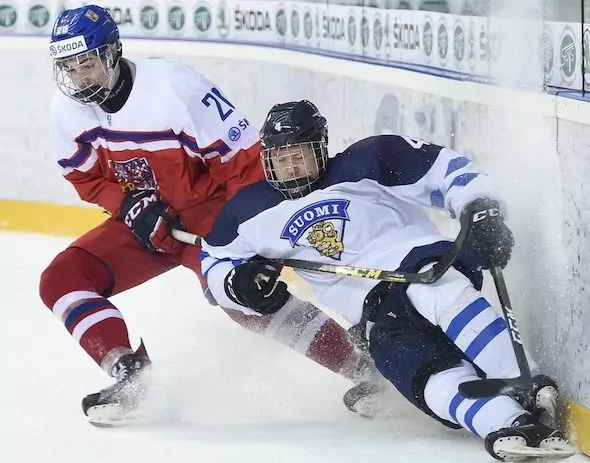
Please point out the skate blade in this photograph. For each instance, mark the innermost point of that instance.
(550, 449)
(113, 416)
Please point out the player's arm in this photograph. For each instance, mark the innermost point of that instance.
(439, 177)
(78, 162)
(237, 277)
(92, 187)
(431, 175)
(219, 134)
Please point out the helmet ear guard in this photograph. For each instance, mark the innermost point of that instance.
(289, 126)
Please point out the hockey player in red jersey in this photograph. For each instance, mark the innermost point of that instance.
(157, 145)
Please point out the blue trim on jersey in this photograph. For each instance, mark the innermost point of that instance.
(465, 316)
(89, 136)
(234, 262)
(78, 158)
(247, 203)
(218, 147)
(117, 136)
(456, 164)
(388, 159)
(462, 180)
(204, 255)
(485, 337)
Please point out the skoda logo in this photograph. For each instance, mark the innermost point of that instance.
(7, 16)
(365, 33)
(202, 18)
(148, 17)
(427, 38)
(234, 134)
(295, 23)
(351, 29)
(38, 15)
(308, 25)
(176, 18)
(281, 20)
(377, 33)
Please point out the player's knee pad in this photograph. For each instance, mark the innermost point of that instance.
(74, 270)
(469, 321)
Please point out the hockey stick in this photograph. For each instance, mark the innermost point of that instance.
(430, 276)
(493, 387)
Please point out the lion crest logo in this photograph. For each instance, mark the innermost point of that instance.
(319, 225)
(324, 238)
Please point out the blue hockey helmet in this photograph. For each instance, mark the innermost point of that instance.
(86, 49)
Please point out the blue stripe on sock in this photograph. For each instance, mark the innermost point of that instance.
(457, 400)
(465, 316)
(485, 337)
(472, 411)
(82, 308)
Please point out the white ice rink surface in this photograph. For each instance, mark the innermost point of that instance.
(221, 393)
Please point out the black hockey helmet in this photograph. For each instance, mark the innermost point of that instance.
(289, 132)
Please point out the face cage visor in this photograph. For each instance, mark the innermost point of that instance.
(87, 77)
(295, 169)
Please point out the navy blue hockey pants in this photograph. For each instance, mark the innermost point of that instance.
(406, 347)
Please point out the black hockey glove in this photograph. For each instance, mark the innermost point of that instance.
(150, 220)
(489, 237)
(255, 285)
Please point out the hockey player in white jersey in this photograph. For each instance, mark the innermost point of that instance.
(366, 207)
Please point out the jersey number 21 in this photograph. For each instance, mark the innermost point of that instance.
(224, 107)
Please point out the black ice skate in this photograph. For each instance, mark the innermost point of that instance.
(541, 401)
(365, 396)
(527, 438)
(117, 405)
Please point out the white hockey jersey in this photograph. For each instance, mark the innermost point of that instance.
(369, 211)
(176, 133)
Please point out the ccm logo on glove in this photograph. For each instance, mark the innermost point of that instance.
(483, 214)
(489, 237)
(150, 220)
(143, 201)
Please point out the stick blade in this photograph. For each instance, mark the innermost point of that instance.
(481, 388)
(493, 387)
